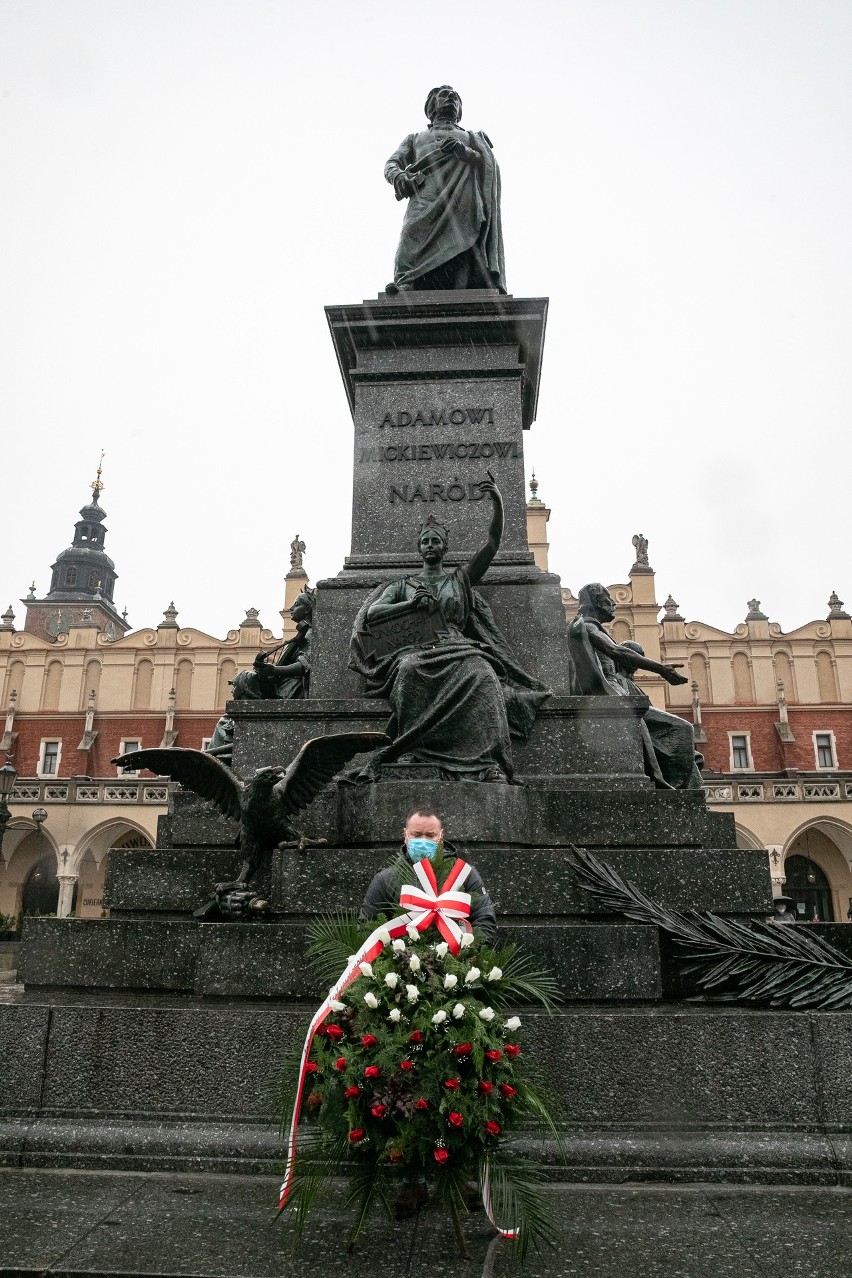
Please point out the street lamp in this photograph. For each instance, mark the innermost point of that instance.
(8, 777)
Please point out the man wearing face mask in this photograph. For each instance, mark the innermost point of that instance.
(423, 839)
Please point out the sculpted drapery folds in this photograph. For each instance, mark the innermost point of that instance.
(602, 667)
(457, 693)
(451, 236)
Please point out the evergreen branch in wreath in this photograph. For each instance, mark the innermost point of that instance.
(729, 960)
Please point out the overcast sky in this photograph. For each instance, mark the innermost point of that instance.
(186, 183)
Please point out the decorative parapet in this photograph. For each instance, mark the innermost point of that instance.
(782, 790)
(130, 790)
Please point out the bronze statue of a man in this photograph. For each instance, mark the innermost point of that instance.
(451, 236)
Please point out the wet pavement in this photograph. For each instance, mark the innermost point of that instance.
(73, 1222)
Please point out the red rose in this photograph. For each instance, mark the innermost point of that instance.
(334, 1032)
(311, 1067)
(340, 1063)
(463, 1049)
(440, 1155)
(494, 1054)
(508, 1091)
(485, 1088)
(406, 1065)
(416, 1037)
(491, 1127)
(372, 1071)
(452, 1084)
(378, 1111)
(352, 1092)
(356, 1134)
(422, 1103)
(368, 1040)
(314, 1100)
(511, 1049)
(455, 1118)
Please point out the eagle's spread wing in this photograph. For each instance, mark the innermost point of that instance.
(195, 770)
(318, 761)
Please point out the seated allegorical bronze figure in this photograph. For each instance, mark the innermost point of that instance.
(429, 643)
(602, 667)
(283, 679)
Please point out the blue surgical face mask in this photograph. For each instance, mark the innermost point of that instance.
(422, 849)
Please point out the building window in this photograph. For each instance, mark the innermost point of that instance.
(48, 759)
(824, 750)
(128, 744)
(740, 752)
(205, 742)
(70, 576)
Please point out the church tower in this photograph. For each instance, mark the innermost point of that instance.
(82, 584)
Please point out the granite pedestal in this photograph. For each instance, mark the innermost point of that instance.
(151, 1041)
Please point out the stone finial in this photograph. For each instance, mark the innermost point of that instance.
(169, 617)
(754, 613)
(836, 612)
(534, 497)
(8, 619)
(671, 608)
(252, 618)
(32, 593)
(297, 549)
(640, 542)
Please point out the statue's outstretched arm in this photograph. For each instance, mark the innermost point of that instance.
(632, 659)
(481, 561)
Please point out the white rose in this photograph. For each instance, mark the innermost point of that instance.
(392, 980)
(336, 1005)
(458, 1011)
(473, 974)
(413, 993)
(439, 1018)
(514, 1023)
(399, 945)
(395, 1014)
(413, 934)
(414, 963)
(450, 981)
(467, 939)
(441, 949)
(366, 969)
(487, 1014)
(383, 935)
(371, 1000)
(495, 974)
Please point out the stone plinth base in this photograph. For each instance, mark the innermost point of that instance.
(668, 1093)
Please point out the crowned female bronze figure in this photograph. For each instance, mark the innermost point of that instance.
(456, 691)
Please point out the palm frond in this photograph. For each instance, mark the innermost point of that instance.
(524, 981)
(319, 1161)
(332, 938)
(518, 1203)
(365, 1186)
(728, 959)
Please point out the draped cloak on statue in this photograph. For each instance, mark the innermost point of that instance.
(454, 702)
(455, 209)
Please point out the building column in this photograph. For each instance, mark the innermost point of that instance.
(66, 894)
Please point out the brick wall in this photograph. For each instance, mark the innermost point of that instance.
(33, 729)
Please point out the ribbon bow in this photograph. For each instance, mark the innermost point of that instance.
(427, 904)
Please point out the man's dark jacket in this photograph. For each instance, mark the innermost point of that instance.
(382, 895)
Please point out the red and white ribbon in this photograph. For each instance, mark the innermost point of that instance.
(427, 905)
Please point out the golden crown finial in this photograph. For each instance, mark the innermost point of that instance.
(98, 482)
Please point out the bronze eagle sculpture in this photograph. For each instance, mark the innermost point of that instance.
(264, 804)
